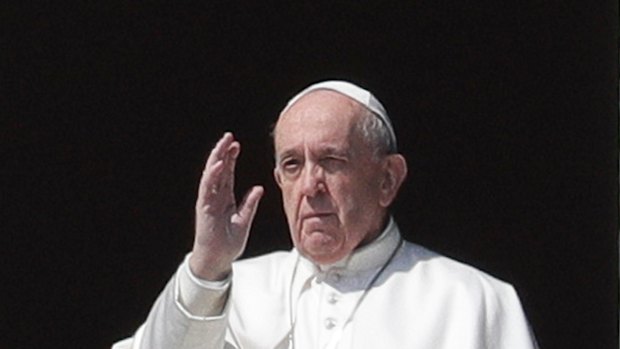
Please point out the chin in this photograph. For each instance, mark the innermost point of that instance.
(321, 246)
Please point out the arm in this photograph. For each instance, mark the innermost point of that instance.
(191, 311)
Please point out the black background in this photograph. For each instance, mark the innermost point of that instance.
(507, 114)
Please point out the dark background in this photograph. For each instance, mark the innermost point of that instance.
(507, 114)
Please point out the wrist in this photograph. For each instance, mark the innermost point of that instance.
(207, 268)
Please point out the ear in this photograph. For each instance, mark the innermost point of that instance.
(277, 177)
(394, 173)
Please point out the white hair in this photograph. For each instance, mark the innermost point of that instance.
(375, 134)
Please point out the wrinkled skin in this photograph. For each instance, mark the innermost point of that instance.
(335, 192)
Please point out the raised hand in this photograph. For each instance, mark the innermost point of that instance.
(222, 227)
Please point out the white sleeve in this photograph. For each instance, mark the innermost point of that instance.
(200, 298)
(189, 313)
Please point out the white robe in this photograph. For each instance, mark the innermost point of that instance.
(421, 300)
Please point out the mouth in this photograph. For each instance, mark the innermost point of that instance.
(316, 221)
(317, 215)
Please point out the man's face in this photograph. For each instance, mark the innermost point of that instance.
(329, 178)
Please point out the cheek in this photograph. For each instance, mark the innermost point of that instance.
(290, 201)
(286, 200)
(353, 188)
(350, 204)
(356, 200)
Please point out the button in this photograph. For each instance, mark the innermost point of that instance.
(332, 298)
(330, 323)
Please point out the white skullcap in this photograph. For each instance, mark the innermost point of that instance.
(358, 94)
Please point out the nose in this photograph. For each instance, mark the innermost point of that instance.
(313, 181)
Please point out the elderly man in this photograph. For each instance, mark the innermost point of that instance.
(351, 281)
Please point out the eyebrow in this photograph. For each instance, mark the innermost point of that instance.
(330, 150)
(284, 154)
(327, 150)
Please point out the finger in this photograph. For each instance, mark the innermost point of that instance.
(219, 150)
(209, 181)
(247, 208)
(230, 162)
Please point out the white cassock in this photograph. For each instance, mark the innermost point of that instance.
(418, 300)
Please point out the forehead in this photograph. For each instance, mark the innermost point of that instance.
(321, 116)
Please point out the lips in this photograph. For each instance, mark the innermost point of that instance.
(319, 215)
(316, 222)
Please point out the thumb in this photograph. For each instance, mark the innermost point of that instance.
(247, 208)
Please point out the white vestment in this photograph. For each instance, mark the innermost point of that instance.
(421, 300)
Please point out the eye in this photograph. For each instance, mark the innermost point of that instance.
(332, 163)
(290, 165)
